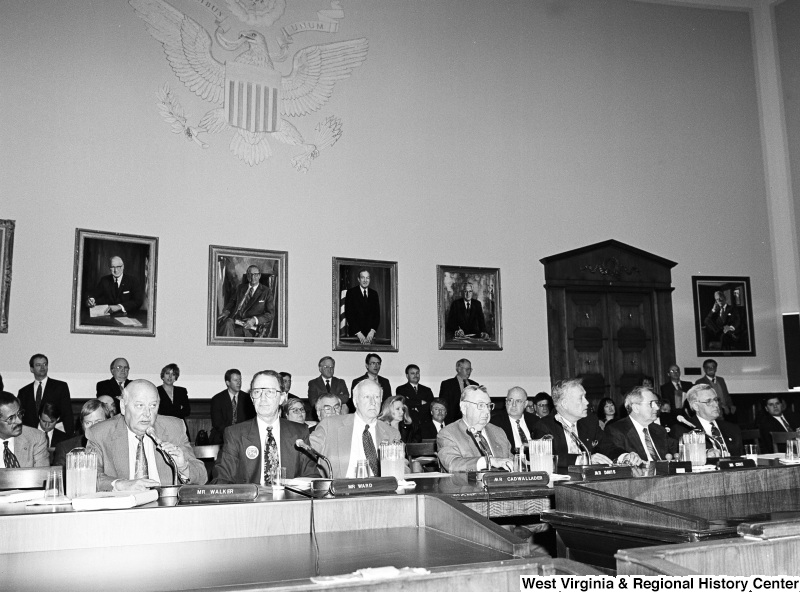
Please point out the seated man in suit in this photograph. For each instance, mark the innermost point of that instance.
(472, 443)
(775, 419)
(21, 446)
(327, 384)
(723, 439)
(418, 396)
(127, 458)
(346, 439)
(465, 318)
(49, 417)
(328, 405)
(255, 450)
(121, 293)
(638, 434)
(92, 412)
(114, 386)
(43, 390)
(229, 407)
(574, 430)
(723, 325)
(249, 308)
(430, 428)
(373, 364)
(517, 425)
(450, 390)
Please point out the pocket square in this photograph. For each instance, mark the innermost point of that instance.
(127, 292)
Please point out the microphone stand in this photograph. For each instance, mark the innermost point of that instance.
(166, 455)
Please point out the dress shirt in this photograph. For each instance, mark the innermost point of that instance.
(357, 444)
(48, 435)
(117, 284)
(639, 428)
(707, 425)
(262, 436)
(10, 447)
(515, 431)
(572, 446)
(438, 425)
(149, 453)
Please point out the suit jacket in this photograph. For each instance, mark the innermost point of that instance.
(178, 406)
(767, 423)
(332, 438)
(260, 305)
(110, 387)
(730, 433)
(129, 295)
(503, 421)
(667, 391)
(589, 433)
(725, 401)
(622, 434)
(64, 448)
(450, 391)
(55, 392)
(427, 431)
(57, 437)
(235, 466)
(222, 413)
(361, 314)
(457, 451)
(716, 321)
(109, 440)
(30, 448)
(470, 323)
(316, 389)
(386, 387)
(419, 403)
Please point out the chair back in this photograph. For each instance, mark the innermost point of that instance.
(751, 435)
(780, 438)
(27, 478)
(426, 448)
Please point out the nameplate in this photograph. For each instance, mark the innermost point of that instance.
(215, 494)
(515, 480)
(729, 464)
(367, 486)
(673, 467)
(597, 472)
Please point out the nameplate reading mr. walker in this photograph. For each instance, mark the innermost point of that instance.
(209, 494)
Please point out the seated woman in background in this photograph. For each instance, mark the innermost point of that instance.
(294, 410)
(173, 400)
(395, 412)
(607, 412)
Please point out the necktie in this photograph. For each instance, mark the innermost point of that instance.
(785, 423)
(648, 442)
(365, 293)
(121, 388)
(720, 440)
(522, 437)
(245, 300)
(235, 406)
(328, 385)
(467, 302)
(271, 460)
(38, 397)
(484, 445)
(415, 388)
(466, 384)
(9, 458)
(369, 451)
(141, 469)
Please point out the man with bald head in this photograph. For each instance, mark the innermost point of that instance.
(517, 425)
(466, 444)
(346, 439)
(127, 459)
(119, 292)
(248, 310)
(722, 438)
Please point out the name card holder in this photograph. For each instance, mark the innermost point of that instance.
(215, 494)
(367, 486)
(673, 467)
(598, 472)
(731, 464)
(495, 481)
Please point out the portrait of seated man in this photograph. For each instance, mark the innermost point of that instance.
(119, 292)
(465, 318)
(249, 310)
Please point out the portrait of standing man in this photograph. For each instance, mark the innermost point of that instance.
(362, 309)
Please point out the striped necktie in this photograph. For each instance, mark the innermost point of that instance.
(648, 442)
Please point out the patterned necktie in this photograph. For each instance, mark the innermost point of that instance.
(484, 445)
(522, 437)
(328, 385)
(369, 451)
(142, 471)
(235, 406)
(720, 440)
(9, 458)
(648, 443)
(38, 397)
(271, 460)
(245, 301)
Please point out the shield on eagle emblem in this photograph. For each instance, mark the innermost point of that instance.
(252, 97)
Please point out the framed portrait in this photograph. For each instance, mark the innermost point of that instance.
(6, 251)
(114, 283)
(247, 291)
(364, 305)
(469, 307)
(723, 316)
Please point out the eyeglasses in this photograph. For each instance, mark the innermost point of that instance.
(328, 408)
(12, 419)
(710, 402)
(121, 368)
(654, 404)
(513, 402)
(482, 406)
(257, 393)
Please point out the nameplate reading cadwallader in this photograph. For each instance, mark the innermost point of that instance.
(597, 472)
(366, 486)
(214, 494)
(515, 480)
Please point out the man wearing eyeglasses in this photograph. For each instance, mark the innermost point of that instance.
(467, 444)
(517, 425)
(328, 384)
(638, 434)
(249, 308)
(327, 406)
(256, 450)
(20, 446)
(347, 439)
(114, 386)
(722, 438)
(573, 429)
(118, 291)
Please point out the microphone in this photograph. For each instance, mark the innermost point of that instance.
(474, 434)
(317, 456)
(152, 433)
(167, 457)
